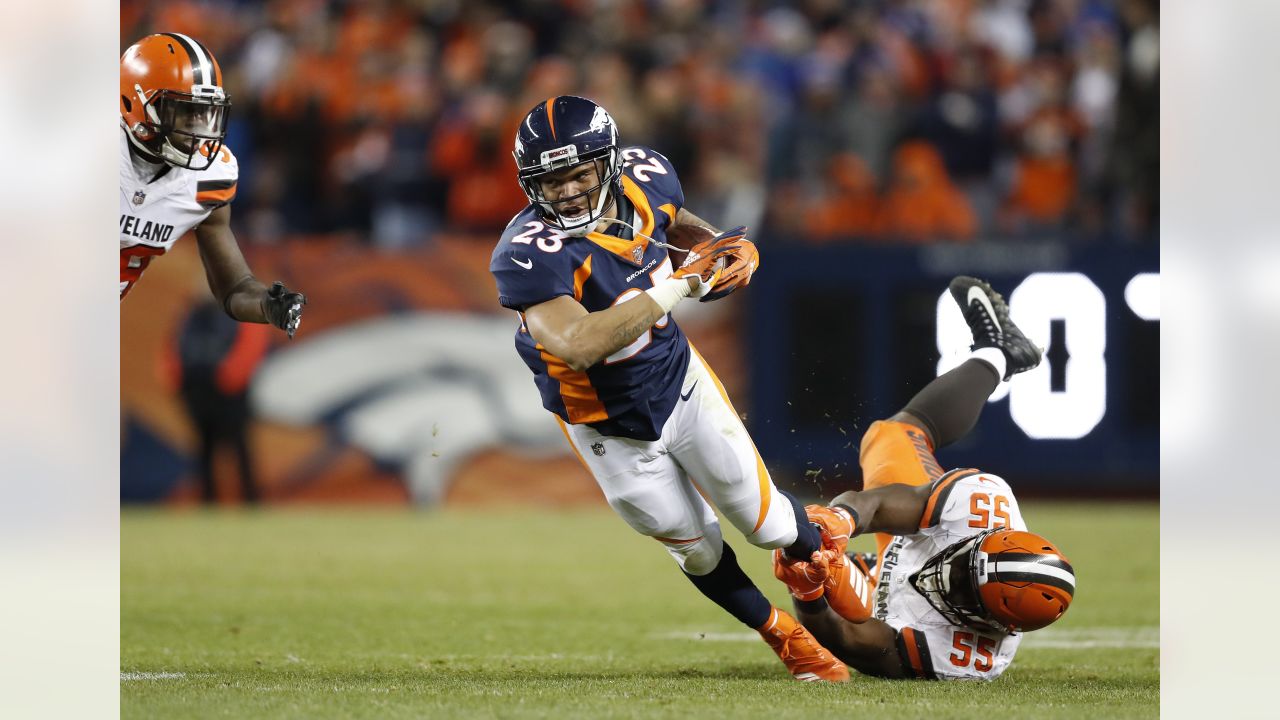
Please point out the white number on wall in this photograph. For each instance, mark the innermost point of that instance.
(1039, 300)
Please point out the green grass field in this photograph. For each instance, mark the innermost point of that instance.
(530, 613)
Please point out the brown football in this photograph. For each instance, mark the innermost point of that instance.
(686, 236)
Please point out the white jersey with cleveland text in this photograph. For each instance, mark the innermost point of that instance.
(963, 503)
(156, 211)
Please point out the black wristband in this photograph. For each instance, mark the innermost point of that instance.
(857, 523)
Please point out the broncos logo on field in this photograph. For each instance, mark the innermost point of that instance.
(420, 392)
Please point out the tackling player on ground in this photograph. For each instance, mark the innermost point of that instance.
(586, 267)
(176, 175)
(959, 578)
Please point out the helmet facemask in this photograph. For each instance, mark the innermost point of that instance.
(950, 579)
(608, 170)
(183, 129)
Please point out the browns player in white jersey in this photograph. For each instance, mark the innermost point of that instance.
(959, 577)
(176, 175)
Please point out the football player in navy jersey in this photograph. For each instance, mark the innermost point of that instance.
(586, 267)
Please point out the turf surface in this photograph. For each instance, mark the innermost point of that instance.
(530, 613)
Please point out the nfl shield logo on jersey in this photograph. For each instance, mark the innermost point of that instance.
(597, 448)
(637, 253)
(139, 197)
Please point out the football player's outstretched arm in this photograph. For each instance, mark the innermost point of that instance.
(582, 339)
(893, 509)
(231, 281)
(869, 647)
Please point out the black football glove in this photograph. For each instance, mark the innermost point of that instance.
(283, 308)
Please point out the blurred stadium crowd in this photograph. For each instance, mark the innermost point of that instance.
(390, 121)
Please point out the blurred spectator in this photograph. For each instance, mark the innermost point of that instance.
(921, 204)
(849, 205)
(1045, 176)
(390, 120)
(1135, 151)
(210, 363)
(472, 150)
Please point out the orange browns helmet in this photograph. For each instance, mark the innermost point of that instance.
(1005, 580)
(172, 103)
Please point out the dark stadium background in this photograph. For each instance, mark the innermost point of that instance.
(875, 149)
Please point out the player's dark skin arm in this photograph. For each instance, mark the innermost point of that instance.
(582, 339)
(869, 647)
(230, 279)
(893, 509)
(684, 217)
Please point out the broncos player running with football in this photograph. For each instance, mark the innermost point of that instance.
(959, 577)
(176, 175)
(586, 267)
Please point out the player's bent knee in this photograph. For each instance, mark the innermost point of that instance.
(778, 529)
(699, 557)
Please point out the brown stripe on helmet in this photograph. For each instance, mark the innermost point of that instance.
(1038, 558)
(1033, 577)
(197, 68)
(213, 64)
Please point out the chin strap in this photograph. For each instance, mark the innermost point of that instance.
(634, 229)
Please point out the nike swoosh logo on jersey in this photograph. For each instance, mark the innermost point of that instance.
(527, 264)
(976, 294)
(689, 394)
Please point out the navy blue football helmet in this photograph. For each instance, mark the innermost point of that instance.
(560, 133)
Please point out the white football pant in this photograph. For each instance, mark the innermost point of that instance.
(662, 488)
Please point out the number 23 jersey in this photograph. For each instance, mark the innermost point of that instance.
(962, 504)
(632, 392)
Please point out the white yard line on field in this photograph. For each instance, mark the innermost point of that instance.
(1136, 636)
(126, 676)
(1140, 636)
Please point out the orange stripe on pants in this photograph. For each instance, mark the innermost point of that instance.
(762, 474)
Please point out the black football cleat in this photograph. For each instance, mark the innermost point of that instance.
(988, 317)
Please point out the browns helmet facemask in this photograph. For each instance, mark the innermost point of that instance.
(1004, 580)
(172, 103)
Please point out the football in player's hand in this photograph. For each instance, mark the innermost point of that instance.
(686, 236)
(737, 270)
(736, 257)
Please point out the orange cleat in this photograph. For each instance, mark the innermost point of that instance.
(847, 587)
(807, 660)
(803, 579)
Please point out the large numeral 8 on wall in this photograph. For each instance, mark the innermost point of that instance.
(1039, 300)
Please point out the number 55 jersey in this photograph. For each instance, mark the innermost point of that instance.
(632, 392)
(962, 504)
